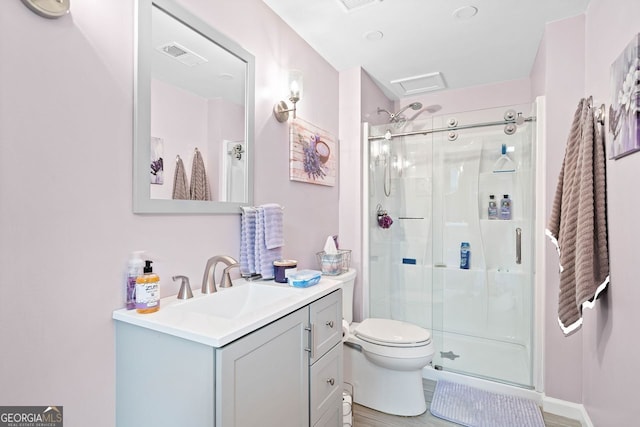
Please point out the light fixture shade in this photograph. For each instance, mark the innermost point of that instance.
(294, 83)
(294, 86)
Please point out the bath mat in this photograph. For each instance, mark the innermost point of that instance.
(473, 407)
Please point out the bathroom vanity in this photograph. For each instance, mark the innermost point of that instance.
(267, 354)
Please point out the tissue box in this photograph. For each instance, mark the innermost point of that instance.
(304, 278)
(334, 264)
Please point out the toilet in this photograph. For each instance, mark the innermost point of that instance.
(383, 359)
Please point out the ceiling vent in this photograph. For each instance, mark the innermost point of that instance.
(182, 54)
(350, 5)
(419, 84)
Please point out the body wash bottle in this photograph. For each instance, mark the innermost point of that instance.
(465, 256)
(148, 291)
(492, 211)
(505, 207)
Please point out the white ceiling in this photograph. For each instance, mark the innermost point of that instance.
(422, 37)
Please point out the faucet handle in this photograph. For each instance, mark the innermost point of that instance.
(226, 277)
(185, 287)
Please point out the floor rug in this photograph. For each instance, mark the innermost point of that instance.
(473, 407)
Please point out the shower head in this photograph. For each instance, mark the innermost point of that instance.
(414, 106)
(398, 117)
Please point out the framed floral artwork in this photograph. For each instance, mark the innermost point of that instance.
(624, 112)
(313, 154)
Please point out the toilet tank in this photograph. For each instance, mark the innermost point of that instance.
(348, 280)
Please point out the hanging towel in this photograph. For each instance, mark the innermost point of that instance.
(264, 256)
(248, 241)
(180, 184)
(273, 223)
(578, 222)
(199, 184)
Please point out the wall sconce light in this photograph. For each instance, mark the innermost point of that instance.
(281, 109)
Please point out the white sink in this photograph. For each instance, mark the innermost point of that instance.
(224, 316)
(237, 301)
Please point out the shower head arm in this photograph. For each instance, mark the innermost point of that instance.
(413, 106)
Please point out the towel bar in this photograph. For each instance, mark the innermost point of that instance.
(600, 112)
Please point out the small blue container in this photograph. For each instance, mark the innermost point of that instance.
(305, 278)
(465, 255)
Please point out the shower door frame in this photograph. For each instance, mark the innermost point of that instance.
(538, 309)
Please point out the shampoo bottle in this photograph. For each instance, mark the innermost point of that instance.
(135, 268)
(493, 208)
(148, 291)
(505, 207)
(465, 255)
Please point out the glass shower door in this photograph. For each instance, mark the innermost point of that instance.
(482, 315)
(400, 184)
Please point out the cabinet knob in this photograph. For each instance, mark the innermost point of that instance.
(331, 381)
(329, 323)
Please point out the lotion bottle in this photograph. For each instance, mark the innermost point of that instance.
(135, 268)
(147, 291)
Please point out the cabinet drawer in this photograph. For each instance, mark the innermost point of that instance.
(333, 416)
(326, 324)
(326, 383)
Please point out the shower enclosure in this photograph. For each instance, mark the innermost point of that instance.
(434, 179)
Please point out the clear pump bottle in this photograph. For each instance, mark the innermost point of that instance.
(135, 268)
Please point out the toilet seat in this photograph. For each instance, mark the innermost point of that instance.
(392, 333)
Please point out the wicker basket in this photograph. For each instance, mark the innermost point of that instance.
(334, 264)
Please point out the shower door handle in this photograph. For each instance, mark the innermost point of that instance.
(518, 245)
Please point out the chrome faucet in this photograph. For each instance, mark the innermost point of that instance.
(226, 277)
(209, 279)
(185, 288)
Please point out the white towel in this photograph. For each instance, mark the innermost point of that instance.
(248, 241)
(273, 223)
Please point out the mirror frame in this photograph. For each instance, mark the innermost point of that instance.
(142, 201)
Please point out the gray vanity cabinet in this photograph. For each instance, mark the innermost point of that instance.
(162, 380)
(264, 376)
(326, 359)
(287, 373)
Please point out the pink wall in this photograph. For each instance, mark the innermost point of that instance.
(373, 98)
(512, 92)
(182, 130)
(66, 221)
(595, 366)
(558, 73)
(611, 351)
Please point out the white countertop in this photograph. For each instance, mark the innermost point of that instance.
(219, 331)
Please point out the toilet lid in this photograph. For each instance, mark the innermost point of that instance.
(392, 332)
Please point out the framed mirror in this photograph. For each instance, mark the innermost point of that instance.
(194, 115)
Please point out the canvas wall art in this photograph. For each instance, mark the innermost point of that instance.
(157, 161)
(624, 112)
(313, 154)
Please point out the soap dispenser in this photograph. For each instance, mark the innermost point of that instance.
(148, 291)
